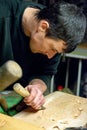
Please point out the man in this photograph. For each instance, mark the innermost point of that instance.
(35, 37)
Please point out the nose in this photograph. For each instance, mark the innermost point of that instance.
(50, 55)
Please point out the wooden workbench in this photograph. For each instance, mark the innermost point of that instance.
(10, 123)
(62, 110)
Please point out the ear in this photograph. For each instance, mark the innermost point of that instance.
(43, 26)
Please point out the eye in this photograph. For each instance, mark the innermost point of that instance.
(54, 50)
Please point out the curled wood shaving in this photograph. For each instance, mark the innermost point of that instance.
(56, 127)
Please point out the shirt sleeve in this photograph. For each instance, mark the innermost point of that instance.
(45, 68)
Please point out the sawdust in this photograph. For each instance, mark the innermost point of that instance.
(62, 110)
(77, 108)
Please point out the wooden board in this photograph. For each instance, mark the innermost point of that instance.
(62, 111)
(10, 123)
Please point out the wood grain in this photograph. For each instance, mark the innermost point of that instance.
(62, 110)
(10, 123)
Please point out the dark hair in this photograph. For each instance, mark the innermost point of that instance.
(67, 22)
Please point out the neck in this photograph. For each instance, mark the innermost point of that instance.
(28, 21)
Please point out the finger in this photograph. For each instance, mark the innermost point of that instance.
(31, 97)
(39, 107)
(38, 102)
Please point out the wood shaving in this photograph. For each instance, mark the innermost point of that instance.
(64, 122)
(80, 109)
(53, 119)
(77, 109)
(78, 101)
(56, 127)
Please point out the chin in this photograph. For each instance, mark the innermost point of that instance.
(36, 51)
(33, 51)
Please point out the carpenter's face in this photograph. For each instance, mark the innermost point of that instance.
(47, 46)
(39, 43)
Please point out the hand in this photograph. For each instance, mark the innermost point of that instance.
(36, 98)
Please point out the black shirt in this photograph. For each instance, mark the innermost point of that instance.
(14, 45)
